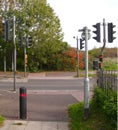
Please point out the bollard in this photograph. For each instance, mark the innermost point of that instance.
(23, 103)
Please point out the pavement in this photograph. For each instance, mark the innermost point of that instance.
(37, 125)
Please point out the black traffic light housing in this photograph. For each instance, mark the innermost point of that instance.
(111, 32)
(3, 31)
(81, 43)
(97, 32)
(7, 30)
(95, 65)
(100, 65)
(29, 41)
(20, 41)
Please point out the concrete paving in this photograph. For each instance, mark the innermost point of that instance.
(36, 125)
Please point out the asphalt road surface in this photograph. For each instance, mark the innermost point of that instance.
(48, 84)
(47, 99)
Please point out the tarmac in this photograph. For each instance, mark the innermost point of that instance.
(36, 125)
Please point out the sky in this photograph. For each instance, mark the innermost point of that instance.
(76, 14)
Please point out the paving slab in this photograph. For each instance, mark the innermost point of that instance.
(36, 125)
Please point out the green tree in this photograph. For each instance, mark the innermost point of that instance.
(37, 19)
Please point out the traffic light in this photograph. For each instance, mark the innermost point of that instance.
(81, 44)
(97, 32)
(20, 41)
(7, 30)
(100, 58)
(1, 25)
(100, 65)
(3, 30)
(29, 42)
(111, 32)
(95, 65)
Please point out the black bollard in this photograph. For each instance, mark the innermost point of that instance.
(23, 103)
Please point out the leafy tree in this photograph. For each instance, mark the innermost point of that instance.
(48, 38)
(37, 19)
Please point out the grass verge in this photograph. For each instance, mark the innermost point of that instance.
(96, 120)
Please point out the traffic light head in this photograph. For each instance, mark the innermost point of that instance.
(95, 65)
(101, 58)
(1, 25)
(100, 65)
(3, 30)
(20, 41)
(97, 32)
(7, 30)
(29, 42)
(111, 32)
(81, 44)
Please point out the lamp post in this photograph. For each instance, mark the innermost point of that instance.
(77, 54)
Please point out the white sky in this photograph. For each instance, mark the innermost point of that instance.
(76, 14)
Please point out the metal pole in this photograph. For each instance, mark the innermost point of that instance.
(104, 42)
(24, 60)
(77, 54)
(14, 19)
(5, 37)
(104, 37)
(86, 81)
(77, 58)
(4, 60)
(12, 62)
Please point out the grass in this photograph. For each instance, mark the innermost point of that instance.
(91, 73)
(96, 120)
(1, 120)
(110, 64)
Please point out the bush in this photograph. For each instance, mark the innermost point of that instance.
(107, 104)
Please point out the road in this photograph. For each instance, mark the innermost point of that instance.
(48, 84)
(47, 99)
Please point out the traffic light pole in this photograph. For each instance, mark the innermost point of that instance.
(104, 37)
(25, 60)
(86, 80)
(77, 58)
(77, 54)
(4, 60)
(14, 42)
(104, 44)
(5, 38)
(86, 36)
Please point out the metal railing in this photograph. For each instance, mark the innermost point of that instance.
(107, 79)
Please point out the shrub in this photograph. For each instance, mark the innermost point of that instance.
(107, 104)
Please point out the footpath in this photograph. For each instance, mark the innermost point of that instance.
(36, 125)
